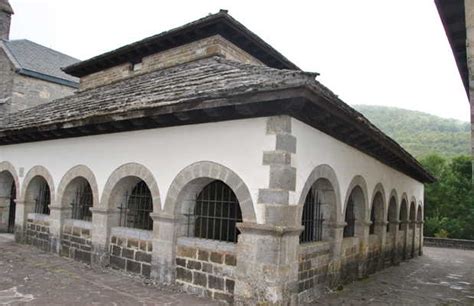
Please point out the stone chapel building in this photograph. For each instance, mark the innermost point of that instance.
(202, 156)
(30, 74)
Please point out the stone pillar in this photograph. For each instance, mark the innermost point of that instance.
(404, 237)
(56, 221)
(334, 268)
(420, 247)
(102, 222)
(20, 221)
(381, 230)
(363, 235)
(394, 251)
(267, 264)
(267, 253)
(163, 265)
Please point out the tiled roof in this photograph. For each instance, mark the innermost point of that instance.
(197, 88)
(38, 61)
(203, 79)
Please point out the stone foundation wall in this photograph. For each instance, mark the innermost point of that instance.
(313, 263)
(76, 240)
(37, 232)
(449, 243)
(131, 252)
(374, 254)
(389, 250)
(349, 259)
(206, 269)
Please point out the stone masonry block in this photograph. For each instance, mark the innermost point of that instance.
(217, 257)
(186, 252)
(273, 196)
(276, 158)
(286, 143)
(282, 177)
(184, 275)
(199, 279)
(279, 125)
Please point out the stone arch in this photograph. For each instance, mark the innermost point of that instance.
(7, 167)
(358, 181)
(124, 178)
(194, 177)
(9, 189)
(419, 213)
(79, 171)
(357, 191)
(378, 198)
(321, 172)
(36, 171)
(403, 199)
(392, 215)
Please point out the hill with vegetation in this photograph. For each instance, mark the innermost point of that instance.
(420, 133)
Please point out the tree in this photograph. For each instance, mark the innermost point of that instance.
(449, 202)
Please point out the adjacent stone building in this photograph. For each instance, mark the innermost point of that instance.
(30, 74)
(202, 156)
(458, 21)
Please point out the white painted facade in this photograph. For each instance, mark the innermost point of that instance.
(316, 148)
(237, 145)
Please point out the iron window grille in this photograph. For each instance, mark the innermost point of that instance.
(312, 218)
(82, 202)
(372, 220)
(216, 213)
(11, 212)
(135, 212)
(43, 200)
(349, 229)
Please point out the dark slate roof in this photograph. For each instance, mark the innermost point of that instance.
(40, 62)
(206, 90)
(452, 14)
(221, 23)
(6, 7)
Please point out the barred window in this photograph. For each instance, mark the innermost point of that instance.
(135, 212)
(11, 212)
(43, 198)
(349, 229)
(82, 202)
(217, 211)
(312, 218)
(403, 215)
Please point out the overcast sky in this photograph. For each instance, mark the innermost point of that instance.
(380, 52)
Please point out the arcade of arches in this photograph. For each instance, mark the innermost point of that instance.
(197, 238)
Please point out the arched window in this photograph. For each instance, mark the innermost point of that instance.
(82, 201)
(216, 213)
(43, 198)
(403, 217)
(312, 218)
(372, 221)
(12, 209)
(349, 229)
(392, 215)
(135, 213)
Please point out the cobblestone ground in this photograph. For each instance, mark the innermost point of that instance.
(29, 276)
(439, 277)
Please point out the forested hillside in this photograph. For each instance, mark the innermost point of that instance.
(420, 133)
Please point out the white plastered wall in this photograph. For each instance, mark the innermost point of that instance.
(315, 148)
(237, 145)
